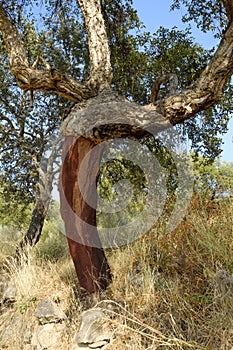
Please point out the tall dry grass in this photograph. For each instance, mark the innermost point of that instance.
(169, 290)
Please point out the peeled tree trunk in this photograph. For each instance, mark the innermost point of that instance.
(102, 115)
(78, 209)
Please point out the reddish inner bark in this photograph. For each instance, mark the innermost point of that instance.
(79, 217)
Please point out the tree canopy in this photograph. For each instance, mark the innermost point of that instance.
(47, 46)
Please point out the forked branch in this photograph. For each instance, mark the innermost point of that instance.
(172, 81)
(30, 78)
(206, 91)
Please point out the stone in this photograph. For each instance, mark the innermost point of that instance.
(223, 283)
(48, 336)
(98, 344)
(48, 312)
(3, 282)
(94, 329)
(9, 294)
(9, 331)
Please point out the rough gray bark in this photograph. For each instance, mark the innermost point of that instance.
(33, 233)
(42, 201)
(100, 74)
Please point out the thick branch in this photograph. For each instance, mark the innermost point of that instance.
(98, 43)
(109, 115)
(29, 78)
(52, 80)
(228, 4)
(206, 91)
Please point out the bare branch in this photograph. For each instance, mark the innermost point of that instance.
(34, 65)
(166, 78)
(8, 121)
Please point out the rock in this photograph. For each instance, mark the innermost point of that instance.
(98, 344)
(9, 294)
(48, 336)
(80, 347)
(3, 283)
(223, 283)
(48, 312)
(10, 330)
(94, 330)
(16, 330)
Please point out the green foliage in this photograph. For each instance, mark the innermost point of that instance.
(208, 14)
(52, 245)
(213, 180)
(15, 210)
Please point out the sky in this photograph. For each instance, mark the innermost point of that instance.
(156, 13)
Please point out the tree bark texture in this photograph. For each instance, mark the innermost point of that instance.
(42, 200)
(80, 216)
(100, 73)
(33, 233)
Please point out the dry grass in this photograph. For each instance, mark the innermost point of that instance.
(169, 291)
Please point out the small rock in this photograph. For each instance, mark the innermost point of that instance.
(98, 344)
(48, 312)
(223, 283)
(9, 294)
(80, 347)
(48, 336)
(3, 282)
(8, 332)
(94, 329)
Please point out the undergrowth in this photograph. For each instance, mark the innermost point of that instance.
(169, 290)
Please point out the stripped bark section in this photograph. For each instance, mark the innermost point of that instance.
(80, 216)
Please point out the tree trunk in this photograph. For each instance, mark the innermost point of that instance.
(78, 209)
(33, 233)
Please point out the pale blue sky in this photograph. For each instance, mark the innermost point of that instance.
(156, 13)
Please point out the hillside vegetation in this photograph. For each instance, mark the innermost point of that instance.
(169, 290)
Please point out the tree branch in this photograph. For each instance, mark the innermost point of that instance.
(100, 73)
(29, 78)
(3, 117)
(206, 91)
(228, 4)
(15, 47)
(166, 78)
